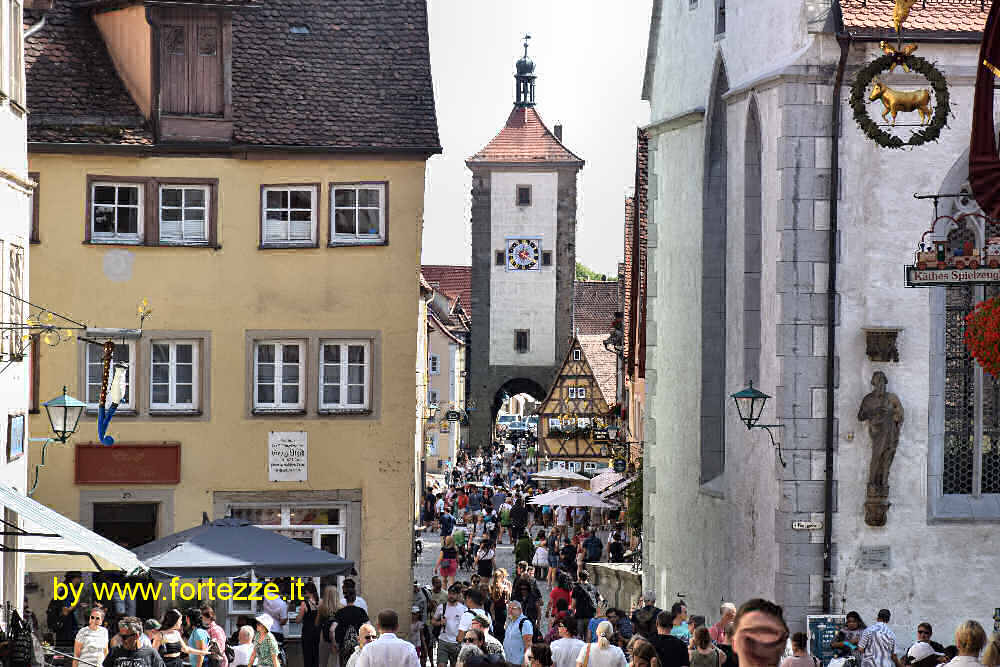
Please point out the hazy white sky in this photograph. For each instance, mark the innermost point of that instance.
(589, 59)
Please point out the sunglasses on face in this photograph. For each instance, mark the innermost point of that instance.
(95, 618)
(923, 632)
(469, 641)
(369, 637)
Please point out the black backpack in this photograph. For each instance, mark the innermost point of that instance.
(54, 618)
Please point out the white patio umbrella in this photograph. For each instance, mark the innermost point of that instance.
(572, 497)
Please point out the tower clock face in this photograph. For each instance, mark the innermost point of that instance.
(522, 254)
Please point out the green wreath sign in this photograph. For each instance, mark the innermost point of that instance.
(859, 100)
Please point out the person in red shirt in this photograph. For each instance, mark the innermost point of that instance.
(462, 502)
(561, 591)
(718, 631)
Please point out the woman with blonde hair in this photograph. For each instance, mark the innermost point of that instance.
(969, 639)
(499, 596)
(601, 653)
(991, 656)
(328, 607)
(447, 562)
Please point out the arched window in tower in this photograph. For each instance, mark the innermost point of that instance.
(752, 246)
(713, 287)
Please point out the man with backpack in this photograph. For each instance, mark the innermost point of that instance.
(593, 548)
(584, 603)
(518, 635)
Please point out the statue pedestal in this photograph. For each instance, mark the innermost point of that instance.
(876, 505)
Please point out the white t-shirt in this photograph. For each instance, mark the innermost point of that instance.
(611, 656)
(277, 609)
(565, 651)
(452, 615)
(242, 654)
(561, 516)
(95, 643)
(358, 602)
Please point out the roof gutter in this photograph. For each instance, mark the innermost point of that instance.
(36, 27)
(222, 150)
(844, 40)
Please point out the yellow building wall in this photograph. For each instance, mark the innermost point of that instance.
(229, 291)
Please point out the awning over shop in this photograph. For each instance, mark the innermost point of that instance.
(602, 481)
(618, 487)
(235, 548)
(53, 543)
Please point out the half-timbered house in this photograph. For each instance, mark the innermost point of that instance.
(573, 418)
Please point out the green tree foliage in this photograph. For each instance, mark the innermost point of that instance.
(584, 273)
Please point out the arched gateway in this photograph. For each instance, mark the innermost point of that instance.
(523, 257)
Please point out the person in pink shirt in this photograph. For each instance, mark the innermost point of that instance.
(718, 631)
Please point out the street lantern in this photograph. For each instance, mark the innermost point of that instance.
(64, 415)
(613, 432)
(750, 405)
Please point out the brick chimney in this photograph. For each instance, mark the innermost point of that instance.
(557, 130)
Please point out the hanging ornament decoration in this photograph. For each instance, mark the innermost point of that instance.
(982, 335)
(869, 88)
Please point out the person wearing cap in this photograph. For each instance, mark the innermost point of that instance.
(265, 646)
(151, 628)
(922, 654)
(131, 653)
(878, 643)
(388, 649)
(647, 602)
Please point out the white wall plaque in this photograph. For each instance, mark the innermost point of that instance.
(286, 456)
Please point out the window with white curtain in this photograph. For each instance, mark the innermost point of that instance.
(279, 366)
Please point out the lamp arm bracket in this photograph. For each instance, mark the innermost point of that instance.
(776, 445)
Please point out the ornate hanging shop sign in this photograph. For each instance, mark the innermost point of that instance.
(931, 103)
(945, 258)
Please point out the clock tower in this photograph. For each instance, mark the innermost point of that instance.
(523, 258)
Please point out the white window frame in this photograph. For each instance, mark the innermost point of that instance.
(572, 392)
(575, 466)
(589, 466)
(338, 238)
(172, 404)
(343, 406)
(432, 397)
(183, 239)
(90, 349)
(581, 392)
(115, 237)
(318, 531)
(278, 405)
(434, 364)
(265, 240)
(577, 355)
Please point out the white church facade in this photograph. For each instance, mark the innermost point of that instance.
(778, 235)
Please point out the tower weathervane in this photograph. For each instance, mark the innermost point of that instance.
(526, 38)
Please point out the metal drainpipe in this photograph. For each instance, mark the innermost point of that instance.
(36, 27)
(844, 39)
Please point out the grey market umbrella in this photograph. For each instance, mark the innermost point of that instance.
(235, 548)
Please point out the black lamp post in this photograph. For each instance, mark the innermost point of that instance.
(64, 415)
(750, 405)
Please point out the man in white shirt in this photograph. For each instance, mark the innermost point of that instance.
(878, 643)
(350, 587)
(473, 602)
(277, 609)
(242, 651)
(388, 649)
(447, 617)
(566, 649)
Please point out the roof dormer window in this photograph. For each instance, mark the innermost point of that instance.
(195, 92)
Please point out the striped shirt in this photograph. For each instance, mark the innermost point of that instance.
(878, 645)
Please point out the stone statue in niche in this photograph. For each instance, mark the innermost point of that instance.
(884, 414)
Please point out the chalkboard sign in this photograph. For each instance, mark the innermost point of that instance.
(822, 630)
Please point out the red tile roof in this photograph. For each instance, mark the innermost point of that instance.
(873, 18)
(604, 364)
(594, 305)
(525, 139)
(452, 280)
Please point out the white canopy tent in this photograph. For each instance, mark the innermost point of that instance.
(53, 543)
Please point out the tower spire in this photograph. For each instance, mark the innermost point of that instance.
(525, 78)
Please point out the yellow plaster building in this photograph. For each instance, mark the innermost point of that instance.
(257, 176)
